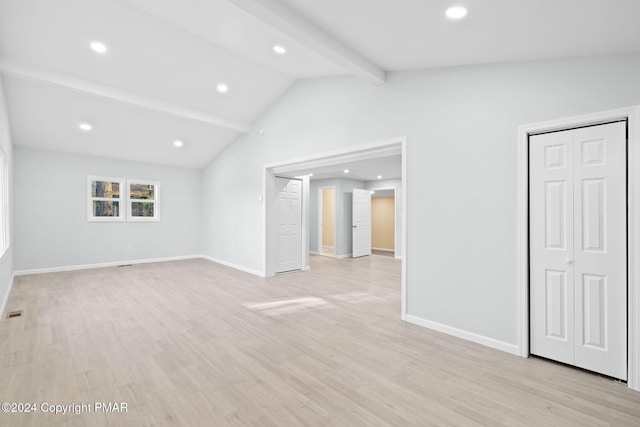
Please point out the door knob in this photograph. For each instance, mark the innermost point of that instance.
(355, 226)
(568, 260)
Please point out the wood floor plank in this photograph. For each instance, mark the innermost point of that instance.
(196, 343)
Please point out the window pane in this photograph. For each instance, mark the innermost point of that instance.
(142, 209)
(142, 191)
(108, 189)
(102, 208)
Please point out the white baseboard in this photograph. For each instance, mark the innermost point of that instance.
(383, 249)
(137, 261)
(102, 265)
(466, 335)
(314, 253)
(236, 266)
(328, 247)
(397, 257)
(3, 307)
(343, 256)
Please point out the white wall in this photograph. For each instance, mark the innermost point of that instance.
(343, 219)
(6, 262)
(461, 128)
(51, 228)
(397, 184)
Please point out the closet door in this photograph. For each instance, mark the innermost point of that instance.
(600, 246)
(578, 277)
(551, 246)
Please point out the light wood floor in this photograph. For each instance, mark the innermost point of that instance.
(383, 253)
(195, 343)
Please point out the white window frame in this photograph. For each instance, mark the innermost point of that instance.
(155, 201)
(4, 200)
(122, 200)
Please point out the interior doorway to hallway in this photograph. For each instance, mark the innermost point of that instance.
(365, 167)
(327, 214)
(383, 221)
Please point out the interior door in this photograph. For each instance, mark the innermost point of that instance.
(578, 249)
(361, 223)
(289, 225)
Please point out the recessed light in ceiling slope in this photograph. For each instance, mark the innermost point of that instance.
(346, 171)
(177, 143)
(222, 88)
(456, 12)
(98, 47)
(279, 49)
(86, 127)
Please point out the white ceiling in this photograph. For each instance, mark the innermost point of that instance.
(120, 130)
(389, 167)
(413, 34)
(157, 81)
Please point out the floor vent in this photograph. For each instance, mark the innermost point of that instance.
(14, 314)
(125, 265)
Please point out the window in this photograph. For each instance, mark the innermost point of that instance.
(106, 199)
(143, 200)
(119, 199)
(4, 204)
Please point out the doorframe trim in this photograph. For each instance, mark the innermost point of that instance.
(632, 115)
(371, 150)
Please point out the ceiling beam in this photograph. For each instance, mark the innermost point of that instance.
(295, 26)
(13, 67)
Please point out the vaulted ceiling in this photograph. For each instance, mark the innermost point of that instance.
(157, 81)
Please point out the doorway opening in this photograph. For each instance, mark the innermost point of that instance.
(589, 287)
(327, 233)
(383, 221)
(317, 166)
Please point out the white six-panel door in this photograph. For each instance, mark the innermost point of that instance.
(578, 268)
(289, 225)
(361, 216)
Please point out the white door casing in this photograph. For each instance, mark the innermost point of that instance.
(361, 223)
(578, 247)
(289, 224)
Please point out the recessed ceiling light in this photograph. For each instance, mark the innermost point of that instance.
(280, 50)
(456, 12)
(98, 47)
(379, 176)
(85, 126)
(346, 171)
(178, 143)
(373, 192)
(222, 88)
(311, 174)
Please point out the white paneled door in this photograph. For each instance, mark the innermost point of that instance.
(289, 225)
(361, 223)
(578, 247)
